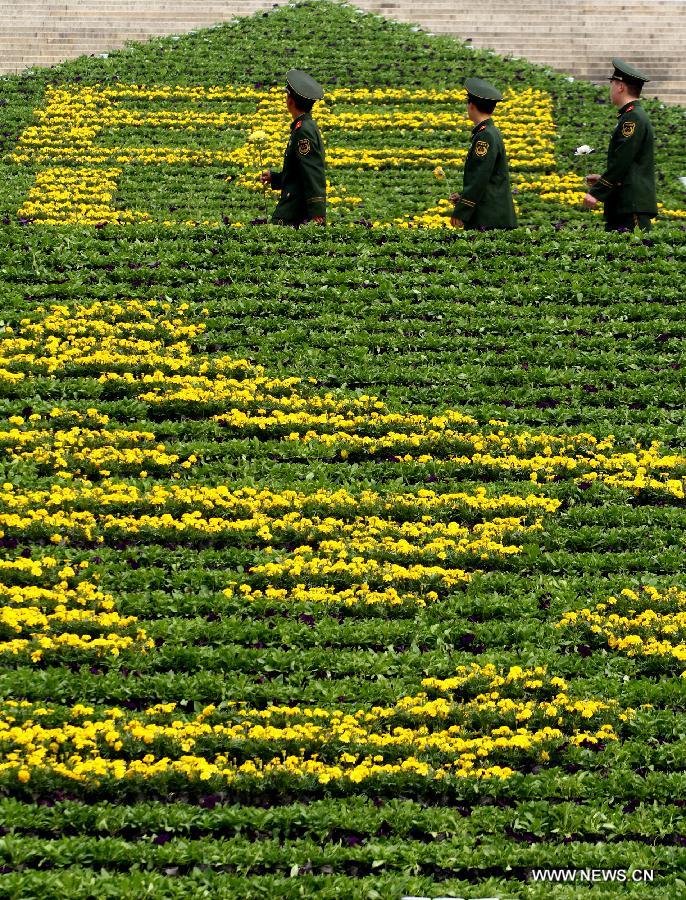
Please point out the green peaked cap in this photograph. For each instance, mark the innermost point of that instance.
(624, 72)
(304, 85)
(477, 87)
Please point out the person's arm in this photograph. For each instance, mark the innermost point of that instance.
(626, 145)
(275, 180)
(311, 158)
(477, 173)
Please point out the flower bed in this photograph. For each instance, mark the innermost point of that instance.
(344, 562)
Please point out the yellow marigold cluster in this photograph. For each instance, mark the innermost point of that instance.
(464, 733)
(363, 544)
(84, 451)
(76, 196)
(66, 613)
(646, 622)
(98, 336)
(80, 182)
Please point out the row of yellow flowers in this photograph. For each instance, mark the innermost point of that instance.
(355, 551)
(79, 182)
(485, 734)
(62, 612)
(647, 622)
(150, 352)
(73, 117)
(362, 547)
(73, 188)
(100, 336)
(80, 450)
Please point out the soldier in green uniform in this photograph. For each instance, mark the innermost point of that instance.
(627, 186)
(302, 181)
(486, 198)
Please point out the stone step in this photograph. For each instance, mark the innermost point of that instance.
(645, 10)
(222, 14)
(637, 35)
(505, 27)
(78, 8)
(594, 7)
(668, 50)
(509, 11)
(594, 10)
(517, 13)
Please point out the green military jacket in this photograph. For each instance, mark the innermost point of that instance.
(303, 180)
(628, 183)
(486, 198)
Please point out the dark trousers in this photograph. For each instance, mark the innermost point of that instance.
(628, 221)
